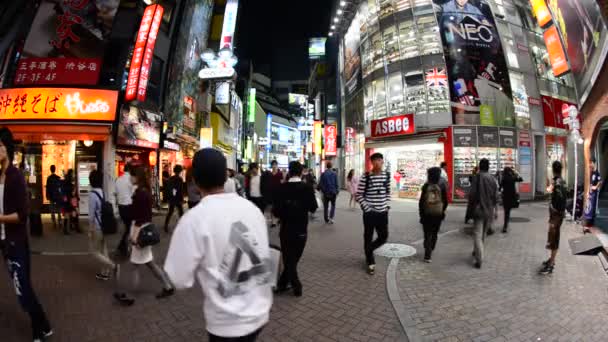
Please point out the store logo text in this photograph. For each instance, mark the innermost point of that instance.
(75, 105)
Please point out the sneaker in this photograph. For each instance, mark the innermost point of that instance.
(477, 264)
(123, 299)
(428, 260)
(546, 262)
(297, 292)
(165, 293)
(371, 269)
(331, 221)
(101, 276)
(547, 269)
(48, 333)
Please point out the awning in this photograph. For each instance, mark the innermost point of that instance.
(418, 139)
(40, 132)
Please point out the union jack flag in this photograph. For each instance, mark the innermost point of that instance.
(436, 77)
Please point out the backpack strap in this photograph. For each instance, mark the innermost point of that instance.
(387, 183)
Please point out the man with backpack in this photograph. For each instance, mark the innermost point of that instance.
(101, 223)
(373, 194)
(53, 194)
(328, 184)
(176, 195)
(483, 199)
(432, 205)
(557, 208)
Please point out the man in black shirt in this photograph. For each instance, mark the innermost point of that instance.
(294, 200)
(176, 195)
(53, 194)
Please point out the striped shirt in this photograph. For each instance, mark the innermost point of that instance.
(378, 192)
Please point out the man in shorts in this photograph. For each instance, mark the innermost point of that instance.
(557, 208)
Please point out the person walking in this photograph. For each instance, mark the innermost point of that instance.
(482, 200)
(557, 209)
(595, 184)
(469, 212)
(294, 200)
(97, 242)
(230, 185)
(373, 194)
(142, 216)
(432, 205)
(194, 194)
(53, 195)
(227, 252)
(14, 242)
(70, 204)
(328, 184)
(253, 186)
(352, 182)
(271, 181)
(510, 197)
(124, 195)
(176, 195)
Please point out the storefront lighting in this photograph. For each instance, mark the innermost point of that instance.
(333, 27)
(336, 20)
(339, 12)
(342, 3)
(330, 34)
(88, 143)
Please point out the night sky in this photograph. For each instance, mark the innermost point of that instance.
(274, 34)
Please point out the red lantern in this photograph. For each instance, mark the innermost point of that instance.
(152, 159)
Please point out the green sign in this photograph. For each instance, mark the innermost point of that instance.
(486, 115)
(251, 105)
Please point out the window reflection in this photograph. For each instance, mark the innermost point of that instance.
(395, 90)
(407, 39)
(379, 98)
(391, 44)
(415, 92)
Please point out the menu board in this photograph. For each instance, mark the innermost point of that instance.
(465, 136)
(507, 137)
(465, 143)
(487, 136)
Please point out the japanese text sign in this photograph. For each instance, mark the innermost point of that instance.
(57, 71)
(331, 135)
(58, 104)
(557, 57)
(143, 53)
(394, 125)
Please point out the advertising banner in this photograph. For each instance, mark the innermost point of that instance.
(331, 135)
(138, 127)
(349, 140)
(487, 136)
(318, 137)
(507, 137)
(392, 126)
(585, 40)
(557, 57)
(525, 161)
(316, 48)
(352, 58)
(541, 12)
(57, 71)
(476, 64)
(465, 136)
(230, 15)
(58, 104)
(552, 112)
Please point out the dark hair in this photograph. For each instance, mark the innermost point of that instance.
(484, 165)
(351, 174)
(231, 173)
(143, 180)
(433, 175)
(69, 176)
(253, 166)
(507, 171)
(295, 168)
(209, 168)
(557, 167)
(443, 164)
(274, 162)
(53, 168)
(592, 159)
(376, 156)
(127, 167)
(96, 179)
(6, 137)
(177, 169)
(328, 165)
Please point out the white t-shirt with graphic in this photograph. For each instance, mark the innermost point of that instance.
(223, 243)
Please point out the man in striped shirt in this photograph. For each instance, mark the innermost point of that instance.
(374, 194)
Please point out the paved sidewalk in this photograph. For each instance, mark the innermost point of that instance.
(506, 300)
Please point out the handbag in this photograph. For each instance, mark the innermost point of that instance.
(148, 236)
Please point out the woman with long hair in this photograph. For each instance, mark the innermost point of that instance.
(14, 242)
(141, 209)
(352, 182)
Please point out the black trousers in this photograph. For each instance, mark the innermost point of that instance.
(17, 259)
(192, 204)
(431, 229)
(507, 217)
(125, 216)
(378, 222)
(259, 202)
(327, 200)
(180, 213)
(249, 338)
(292, 248)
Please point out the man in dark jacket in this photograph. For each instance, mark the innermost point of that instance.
(53, 194)
(432, 205)
(557, 209)
(294, 200)
(510, 197)
(328, 184)
(176, 195)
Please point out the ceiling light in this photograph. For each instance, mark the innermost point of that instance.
(339, 12)
(333, 27)
(330, 34)
(336, 20)
(342, 3)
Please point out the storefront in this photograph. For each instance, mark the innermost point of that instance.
(137, 138)
(65, 127)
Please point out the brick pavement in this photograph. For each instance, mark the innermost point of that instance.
(449, 300)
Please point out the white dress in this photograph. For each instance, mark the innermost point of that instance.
(140, 256)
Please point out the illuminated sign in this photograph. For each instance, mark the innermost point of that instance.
(318, 137)
(316, 48)
(58, 104)
(143, 53)
(395, 125)
(215, 73)
(557, 57)
(170, 145)
(138, 127)
(206, 139)
(251, 105)
(269, 131)
(57, 71)
(232, 7)
(331, 135)
(541, 12)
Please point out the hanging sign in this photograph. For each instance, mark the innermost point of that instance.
(57, 71)
(331, 135)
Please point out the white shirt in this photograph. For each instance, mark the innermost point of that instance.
(95, 208)
(205, 246)
(254, 187)
(230, 185)
(124, 189)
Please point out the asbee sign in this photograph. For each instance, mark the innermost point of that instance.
(393, 126)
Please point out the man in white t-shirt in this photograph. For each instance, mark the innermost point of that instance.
(223, 243)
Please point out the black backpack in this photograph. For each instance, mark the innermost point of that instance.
(107, 220)
(559, 196)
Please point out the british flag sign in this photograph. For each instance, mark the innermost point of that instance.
(436, 77)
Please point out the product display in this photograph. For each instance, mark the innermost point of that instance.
(412, 166)
(507, 158)
(465, 160)
(491, 154)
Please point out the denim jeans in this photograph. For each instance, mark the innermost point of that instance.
(327, 200)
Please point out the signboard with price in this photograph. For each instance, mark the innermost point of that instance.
(81, 71)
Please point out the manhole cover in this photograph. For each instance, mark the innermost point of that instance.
(519, 219)
(395, 250)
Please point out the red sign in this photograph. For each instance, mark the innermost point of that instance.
(552, 111)
(565, 110)
(395, 125)
(349, 140)
(57, 71)
(557, 56)
(143, 52)
(331, 135)
(524, 139)
(534, 101)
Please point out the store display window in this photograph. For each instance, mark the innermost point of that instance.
(377, 51)
(386, 8)
(556, 151)
(391, 44)
(408, 39)
(428, 35)
(415, 92)
(60, 154)
(402, 5)
(372, 12)
(379, 98)
(395, 90)
(368, 100)
(422, 6)
(520, 100)
(367, 57)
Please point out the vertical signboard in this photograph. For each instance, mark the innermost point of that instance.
(269, 132)
(330, 140)
(557, 57)
(143, 53)
(352, 58)
(232, 8)
(349, 140)
(477, 70)
(541, 12)
(317, 137)
(465, 144)
(525, 161)
(251, 105)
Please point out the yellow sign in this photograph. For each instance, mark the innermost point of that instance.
(318, 137)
